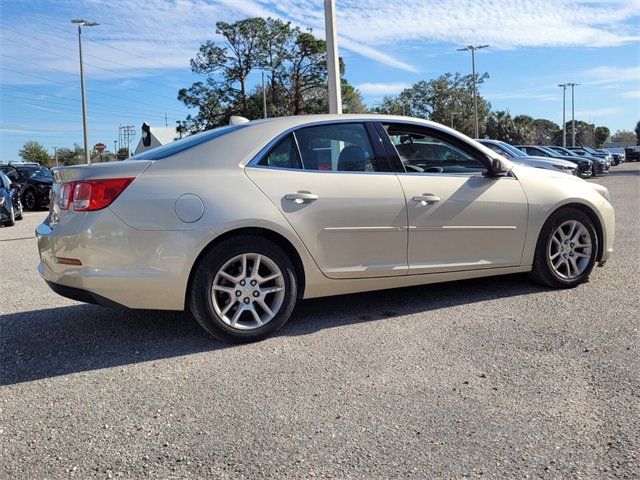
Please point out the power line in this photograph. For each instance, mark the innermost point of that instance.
(49, 52)
(68, 73)
(104, 44)
(125, 109)
(138, 102)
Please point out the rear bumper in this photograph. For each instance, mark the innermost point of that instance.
(120, 265)
(82, 295)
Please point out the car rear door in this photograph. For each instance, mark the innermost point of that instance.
(459, 218)
(334, 185)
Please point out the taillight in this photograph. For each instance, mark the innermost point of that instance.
(89, 195)
(66, 192)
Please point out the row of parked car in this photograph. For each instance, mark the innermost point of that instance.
(22, 186)
(581, 161)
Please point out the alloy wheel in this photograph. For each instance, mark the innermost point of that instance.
(248, 291)
(570, 250)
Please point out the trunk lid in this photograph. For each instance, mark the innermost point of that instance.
(96, 171)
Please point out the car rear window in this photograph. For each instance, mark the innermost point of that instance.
(191, 141)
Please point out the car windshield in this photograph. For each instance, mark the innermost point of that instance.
(589, 150)
(31, 172)
(516, 152)
(550, 151)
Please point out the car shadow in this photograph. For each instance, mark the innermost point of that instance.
(59, 341)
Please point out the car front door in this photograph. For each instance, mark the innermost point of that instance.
(334, 185)
(459, 217)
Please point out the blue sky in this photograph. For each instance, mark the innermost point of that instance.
(138, 58)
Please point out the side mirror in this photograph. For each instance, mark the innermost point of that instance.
(498, 168)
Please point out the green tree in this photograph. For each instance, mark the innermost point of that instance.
(71, 156)
(294, 64)
(500, 126)
(545, 132)
(33, 151)
(441, 99)
(601, 135)
(624, 136)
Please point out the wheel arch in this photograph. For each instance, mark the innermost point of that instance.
(275, 237)
(591, 213)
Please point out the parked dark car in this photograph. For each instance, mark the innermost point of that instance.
(586, 166)
(607, 157)
(10, 204)
(601, 165)
(616, 158)
(35, 183)
(632, 154)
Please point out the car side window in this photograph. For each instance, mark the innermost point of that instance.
(283, 155)
(420, 151)
(340, 147)
(12, 174)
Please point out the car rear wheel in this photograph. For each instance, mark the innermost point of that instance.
(29, 200)
(566, 250)
(243, 289)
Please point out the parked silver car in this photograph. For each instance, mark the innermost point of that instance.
(237, 223)
(518, 156)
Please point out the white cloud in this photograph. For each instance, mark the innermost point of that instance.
(604, 75)
(631, 94)
(165, 34)
(381, 89)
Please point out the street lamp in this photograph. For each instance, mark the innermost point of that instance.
(573, 116)
(473, 49)
(333, 69)
(564, 123)
(83, 23)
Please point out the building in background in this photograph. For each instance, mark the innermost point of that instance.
(153, 137)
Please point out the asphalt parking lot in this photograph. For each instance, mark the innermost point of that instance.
(484, 378)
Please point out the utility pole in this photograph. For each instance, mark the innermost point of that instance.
(452, 115)
(86, 23)
(166, 121)
(473, 49)
(333, 66)
(55, 154)
(115, 148)
(573, 115)
(264, 96)
(564, 123)
(126, 134)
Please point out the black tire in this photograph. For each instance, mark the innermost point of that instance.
(542, 271)
(12, 218)
(30, 200)
(199, 296)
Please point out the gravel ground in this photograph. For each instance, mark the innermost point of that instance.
(492, 377)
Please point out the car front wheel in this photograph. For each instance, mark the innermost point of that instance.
(243, 289)
(566, 250)
(29, 201)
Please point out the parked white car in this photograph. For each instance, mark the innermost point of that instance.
(237, 223)
(518, 156)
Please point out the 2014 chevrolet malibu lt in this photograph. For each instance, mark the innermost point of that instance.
(237, 223)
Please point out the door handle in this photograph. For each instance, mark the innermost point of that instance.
(301, 197)
(427, 198)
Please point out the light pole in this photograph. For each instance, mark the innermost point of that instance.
(564, 123)
(264, 96)
(473, 49)
(573, 116)
(83, 23)
(452, 115)
(333, 68)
